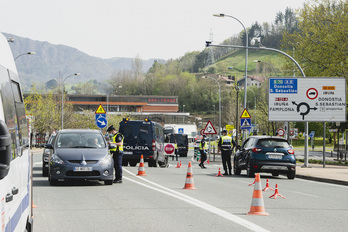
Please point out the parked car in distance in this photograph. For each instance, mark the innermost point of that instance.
(265, 154)
(80, 154)
(45, 155)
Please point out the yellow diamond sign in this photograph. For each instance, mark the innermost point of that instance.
(245, 114)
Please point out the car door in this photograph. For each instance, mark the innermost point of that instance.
(247, 146)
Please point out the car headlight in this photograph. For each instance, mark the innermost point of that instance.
(106, 161)
(57, 160)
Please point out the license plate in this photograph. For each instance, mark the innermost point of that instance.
(128, 153)
(275, 156)
(83, 169)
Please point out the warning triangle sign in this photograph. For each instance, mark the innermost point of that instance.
(100, 110)
(245, 114)
(209, 129)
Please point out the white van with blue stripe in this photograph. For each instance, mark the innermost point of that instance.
(15, 158)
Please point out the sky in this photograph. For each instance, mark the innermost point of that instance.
(148, 29)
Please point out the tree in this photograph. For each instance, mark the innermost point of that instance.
(321, 43)
(44, 110)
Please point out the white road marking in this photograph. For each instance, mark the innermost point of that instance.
(305, 194)
(196, 203)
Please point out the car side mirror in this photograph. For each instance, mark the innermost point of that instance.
(112, 146)
(48, 146)
(42, 145)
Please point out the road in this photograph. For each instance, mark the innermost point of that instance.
(158, 202)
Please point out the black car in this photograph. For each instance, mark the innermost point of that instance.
(265, 154)
(181, 142)
(45, 155)
(80, 154)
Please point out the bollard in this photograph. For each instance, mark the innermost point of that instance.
(331, 153)
(341, 155)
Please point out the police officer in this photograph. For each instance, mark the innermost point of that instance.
(202, 149)
(226, 145)
(117, 152)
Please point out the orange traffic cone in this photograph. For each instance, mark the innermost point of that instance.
(257, 205)
(180, 164)
(267, 187)
(177, 165)
(189, 178)
(253, 182)
(141, 169)
(33, 206)
(219, 173)
(208, 161)
(276, 193)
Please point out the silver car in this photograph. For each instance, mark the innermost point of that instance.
(80, 154)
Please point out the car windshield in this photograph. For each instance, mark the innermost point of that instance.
(273, 143)
(80, 140)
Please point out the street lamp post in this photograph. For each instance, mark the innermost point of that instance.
(219, 102)
(75, 74)
(214, 114)
(237, 89)
(27, 53)
(246, 54)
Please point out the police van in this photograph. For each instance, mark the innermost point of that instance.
(143, 138)
(15, 160)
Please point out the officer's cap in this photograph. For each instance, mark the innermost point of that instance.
(224, 131)
(204, 136)
(111, 128)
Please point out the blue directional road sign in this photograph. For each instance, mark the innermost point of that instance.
(100, 120)
(181, 130)
(245, 123)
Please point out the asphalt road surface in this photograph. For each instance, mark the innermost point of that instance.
(158, 202)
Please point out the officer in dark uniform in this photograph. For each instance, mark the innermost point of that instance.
(202, 149)
(117, 152)
(226, 145)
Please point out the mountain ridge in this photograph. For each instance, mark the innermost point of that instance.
(58, 61)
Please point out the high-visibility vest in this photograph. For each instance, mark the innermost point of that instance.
(226, 142)
(120, 148)
(201, 147)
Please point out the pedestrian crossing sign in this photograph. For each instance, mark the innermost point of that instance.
(245, 114)
(100, 110)
(245, 123)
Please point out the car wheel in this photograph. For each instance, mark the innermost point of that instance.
(52, 182)
(291, 174)
(236, 170)
(250, 170)
(151, 163)
(45, 172)
(108, 182)
(133, 163)
(124, 162)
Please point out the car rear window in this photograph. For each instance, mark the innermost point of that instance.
(273, 143)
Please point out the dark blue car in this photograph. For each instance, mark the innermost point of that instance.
(265, 154)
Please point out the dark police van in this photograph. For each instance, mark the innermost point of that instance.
(143, 138)
(181, 142)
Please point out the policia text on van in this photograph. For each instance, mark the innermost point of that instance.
(15, 160)
(143, 138)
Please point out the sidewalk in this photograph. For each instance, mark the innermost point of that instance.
(334, 174)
